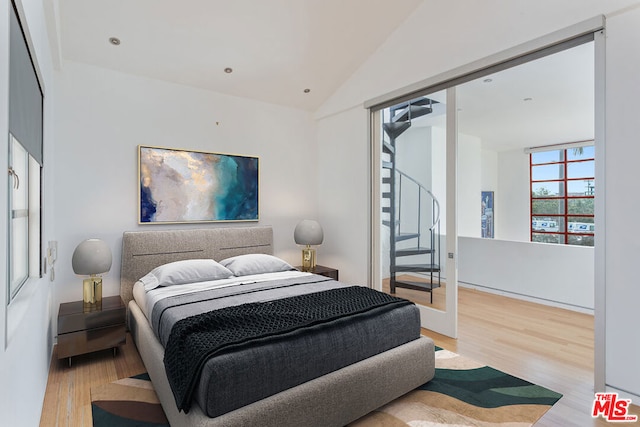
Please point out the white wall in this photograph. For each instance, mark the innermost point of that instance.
(414, 158)
(25, 334)
(489, 179)
(622, 247)
(556, 274)
(405, 59)
(470, 173)
(103, 115)
(439, 175)
(512, 197)
(343, 191)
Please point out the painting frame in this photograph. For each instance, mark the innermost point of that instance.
(487, 215)
(177, 186)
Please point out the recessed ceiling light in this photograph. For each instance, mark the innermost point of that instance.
(114, 41)
(307, 90)
(228, 70)
(487, 80)
(528, 99)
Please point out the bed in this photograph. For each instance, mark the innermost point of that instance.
(334, 398)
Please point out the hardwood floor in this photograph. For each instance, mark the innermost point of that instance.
(67, 400)
(548, 346)
(545, 345)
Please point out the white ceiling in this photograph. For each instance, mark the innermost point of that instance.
(543, 102)
(276, 48)
(560, 108)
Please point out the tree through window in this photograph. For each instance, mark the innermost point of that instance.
(562, 195)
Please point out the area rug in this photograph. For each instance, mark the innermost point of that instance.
(129, 402)
(462, 393)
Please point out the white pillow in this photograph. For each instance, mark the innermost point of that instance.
(187, 271)
(244, 265)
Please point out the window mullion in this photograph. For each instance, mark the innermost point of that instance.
(566, 198)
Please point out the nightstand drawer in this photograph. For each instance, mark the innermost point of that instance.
(86, 341)
(98, 319)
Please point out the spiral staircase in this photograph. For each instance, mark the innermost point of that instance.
(410, 210)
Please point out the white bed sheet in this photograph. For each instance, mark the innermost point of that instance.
(147, 299)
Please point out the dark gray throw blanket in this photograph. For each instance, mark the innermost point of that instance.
(196, 339)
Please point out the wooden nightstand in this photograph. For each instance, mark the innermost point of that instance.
(84, 330)
(323, 271)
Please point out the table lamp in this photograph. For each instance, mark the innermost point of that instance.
(91, 257)
(308, 232)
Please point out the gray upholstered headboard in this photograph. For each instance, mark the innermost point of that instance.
(142, 251)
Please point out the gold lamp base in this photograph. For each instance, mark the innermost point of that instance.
(308, 259)
(92, 291)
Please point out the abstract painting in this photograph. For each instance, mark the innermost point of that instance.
(195, 186)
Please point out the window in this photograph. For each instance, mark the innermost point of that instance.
(25, 160)
(562, 195)
(18, 216)
(24, 216)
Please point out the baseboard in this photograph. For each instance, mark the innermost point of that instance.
(623, 394)
(551, 303)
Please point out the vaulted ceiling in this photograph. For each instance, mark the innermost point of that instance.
(276, 48)
(297, 53)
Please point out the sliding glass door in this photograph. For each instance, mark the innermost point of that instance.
(431, 184)
(415, 229)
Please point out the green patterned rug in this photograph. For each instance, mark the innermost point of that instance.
(462, 393)
(465, 393)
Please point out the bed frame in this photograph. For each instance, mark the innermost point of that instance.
(335, 399)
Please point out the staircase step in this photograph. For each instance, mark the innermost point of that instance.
(386, 180)
(413, 251)
(387, 165)
(386, 223)
(416, 268)
(406, 236)
(411, 112)
(395, 129)
(386, 209)
(418, 286)
(386, 195)
(404, 113)
(388, 148)
(419, 101)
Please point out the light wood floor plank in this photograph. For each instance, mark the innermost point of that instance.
(545, 345)
(67, 401)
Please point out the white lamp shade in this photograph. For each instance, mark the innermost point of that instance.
(92, 256)
(308, 232)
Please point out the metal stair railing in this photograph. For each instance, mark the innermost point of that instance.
(434, 231)
(421, 187)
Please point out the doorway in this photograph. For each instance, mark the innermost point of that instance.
(479, 124)
(526, 137)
